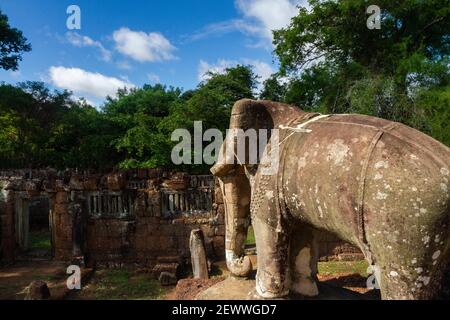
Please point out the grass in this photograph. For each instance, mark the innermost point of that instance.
(122, 284)
(336, 267)
(40, 240)
(250, 236)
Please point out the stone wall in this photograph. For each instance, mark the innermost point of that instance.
(134, 216)
(333, 248)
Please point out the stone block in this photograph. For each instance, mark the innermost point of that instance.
(167, 279)
(76, 183)
(37, 290)
(90, 183)
(116, 181)
(62, 198)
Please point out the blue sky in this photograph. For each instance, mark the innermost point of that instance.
(130, 43)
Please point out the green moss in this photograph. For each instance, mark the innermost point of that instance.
(334, 267)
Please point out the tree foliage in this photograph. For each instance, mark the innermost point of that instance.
(329, 62)
(40, 128)
(273, 89)
(399, 72)
(12, 45)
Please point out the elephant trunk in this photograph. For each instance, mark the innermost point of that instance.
(236, 193)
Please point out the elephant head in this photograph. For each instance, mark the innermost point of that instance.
(235, 174)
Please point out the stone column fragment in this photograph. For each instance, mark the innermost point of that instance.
(198, 255)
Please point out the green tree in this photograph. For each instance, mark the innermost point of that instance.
(234, 84)
(83, 138)
(273, 89)
(12, 44)
(211, 104)
(29, 111)
(337, 31)
(136, 115)
(399, 72)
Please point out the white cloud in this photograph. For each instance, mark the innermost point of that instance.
(124, 65)
(268, 15)
(153, 77)
(84, 41)
(219, 67)
(217, 29)
(258, 19)
(262, 69)
(88, 101)
(143, 47)
(83, 82)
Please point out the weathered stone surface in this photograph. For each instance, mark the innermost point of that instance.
(233, 288)
(103, 217)
(370, 181)
(90, 183)
(230, 289)
(167, 278)
(38, 290)
(218, 197)
(178, 181)
(62, 198)
(198, 255)
(76, 182)
(33, 187)
(61, 186)
(165, 266)
(116, 181)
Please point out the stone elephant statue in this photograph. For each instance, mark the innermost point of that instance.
(377, 184)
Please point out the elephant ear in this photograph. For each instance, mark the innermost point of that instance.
(253, 114)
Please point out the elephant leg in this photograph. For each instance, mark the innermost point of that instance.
(272, 247)
(411, 253)
(303, 261)
(418, 279)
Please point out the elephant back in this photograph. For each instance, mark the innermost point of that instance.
(354, 175)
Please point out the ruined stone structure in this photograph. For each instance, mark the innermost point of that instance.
(135, 216)
(330, 247)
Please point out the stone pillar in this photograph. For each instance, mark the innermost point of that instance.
(62, 222)
(22, 222)
(7, 224)
(38, 290)
(51, 222)
(198, 255)
(78, 225)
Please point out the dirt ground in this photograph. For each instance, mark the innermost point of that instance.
(14, 279)
(132, 284)
(187, 289)
(350, 275)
